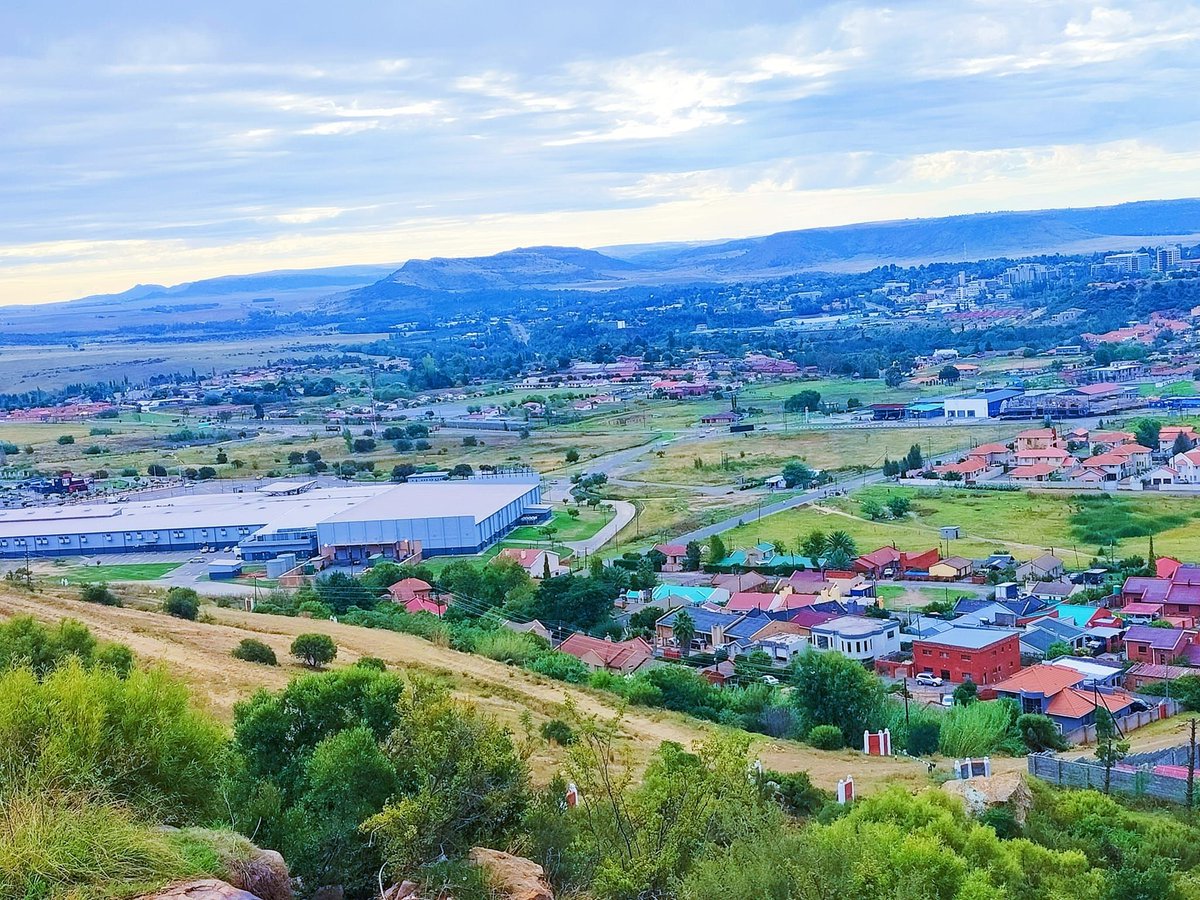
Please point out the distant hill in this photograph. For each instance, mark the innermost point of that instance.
(843, 248)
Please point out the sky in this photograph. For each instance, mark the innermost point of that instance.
(166, 142)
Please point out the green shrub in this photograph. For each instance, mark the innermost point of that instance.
(374, 663)
(826, 737)
(314, 650)
(558, 732)
(182, 603)
(976, 730)
(509, 646)
(923, 738)
(255, 651)
(98, 593)
(560, 666)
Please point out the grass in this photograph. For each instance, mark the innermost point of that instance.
(1024, 523)
(118, 572)
(569, 528)
(904, 597)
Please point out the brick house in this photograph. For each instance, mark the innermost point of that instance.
(981, 655)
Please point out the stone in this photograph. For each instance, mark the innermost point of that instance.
(513, 877)
(1005, 789)
(405, 890)
(201, 889)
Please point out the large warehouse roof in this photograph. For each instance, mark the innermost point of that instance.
(441, 499)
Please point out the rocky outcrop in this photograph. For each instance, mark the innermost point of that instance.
(201, 889)
(1006, 789)
(513, 877)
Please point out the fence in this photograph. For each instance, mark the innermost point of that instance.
(1140, 782)
(1131, 722)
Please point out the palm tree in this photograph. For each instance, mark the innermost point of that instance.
(841, 541)
(684, 631)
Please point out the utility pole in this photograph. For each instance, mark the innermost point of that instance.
(1191, 771)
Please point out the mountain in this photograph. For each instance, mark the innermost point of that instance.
(842, 248)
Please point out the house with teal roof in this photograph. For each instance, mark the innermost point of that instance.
(1079, 615)
(765, 556)
(679, 595)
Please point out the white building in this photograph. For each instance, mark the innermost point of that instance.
(858, 637)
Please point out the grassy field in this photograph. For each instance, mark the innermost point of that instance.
(722, 459)
(116, 572)
(568, 527)
(1024, 523)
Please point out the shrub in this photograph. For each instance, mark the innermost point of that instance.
(374, 663)
(117, 658)
(314, 650)
(255, 651)
(65, 439)
(826, 737)
(509, 646)
(923, 738)
(24, 641)
(182, 603)
(560, 666)
(975, 730)
(98, 593)
(559, 732)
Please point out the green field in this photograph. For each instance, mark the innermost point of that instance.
(1024, 523)
(568, 528)
(117, 572)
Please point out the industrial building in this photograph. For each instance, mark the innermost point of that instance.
(343, 523)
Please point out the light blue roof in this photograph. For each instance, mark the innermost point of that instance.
(694, 595)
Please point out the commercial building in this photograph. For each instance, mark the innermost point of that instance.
(1131, 263)
(982, 405)
(981, 655)
(343, 523)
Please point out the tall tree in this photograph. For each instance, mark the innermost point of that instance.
(684, 631)
(813, 545)
(716, 549)
(832, 689)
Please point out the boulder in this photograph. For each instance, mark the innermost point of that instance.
(405, 890)
(201, 889)
(1005, 789)
(513, 877)
(263, 873)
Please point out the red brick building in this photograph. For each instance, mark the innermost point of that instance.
(981, 655)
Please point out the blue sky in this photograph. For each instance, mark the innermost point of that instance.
(160, 142)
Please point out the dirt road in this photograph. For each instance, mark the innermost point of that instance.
(199, 652)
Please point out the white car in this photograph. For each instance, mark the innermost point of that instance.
(770, 679)
(928, 679)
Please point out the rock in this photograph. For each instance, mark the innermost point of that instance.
(515, 877)
(405, 890)
(1006, 789)
(246, 866)
(201, 889)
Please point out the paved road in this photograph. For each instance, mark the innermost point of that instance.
(624, 513)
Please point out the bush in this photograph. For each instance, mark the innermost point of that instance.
(976, 730)
(65, 439)
(508, 646)
(826, 737)
(560, 666)
(559, 732)
(98, 593)
(923, 738)
(255, 651)
(182, 603)
(314, 650)
(374, 663)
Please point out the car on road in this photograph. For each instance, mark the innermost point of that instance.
(928, 679)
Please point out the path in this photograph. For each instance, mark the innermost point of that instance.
(623, 515)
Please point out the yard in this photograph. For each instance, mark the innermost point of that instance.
(567, 527)
(116, 572)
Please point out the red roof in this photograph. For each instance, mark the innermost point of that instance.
(884, 556)
(920, 561)
(671, 549)
(525, 556)
(613, 654)
(1035, 470)
(408, 588)
(1044, 680)
(745, 600)
(424, 604)
(1073, 703)
(1165, 566)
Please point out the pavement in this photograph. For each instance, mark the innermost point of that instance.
(623, 515)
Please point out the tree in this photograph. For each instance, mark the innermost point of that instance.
(832, 689)
(66, 439)
(899, 505)
(1110, 750)
(804, 400)
(949, 374)
(315, 651)
(965, 694)
(684, 631)
(204, 473)
(1057, 649)
(1040, 733)
(182, 603)
(841, 542)
(796, 473)
(913, 460)
(813, 545)
(155, 470)
(255, 651)
(893, 377)
(692, 557)
(716, 550)
(872, 509)
(339, 592)
(98, 593)
(1146, 431)
(1181, 445)
(572, 455)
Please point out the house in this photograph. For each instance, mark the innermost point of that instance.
(993, 454)
(676, 556)
(1053, 591)
(1081, 615)
(1035, 439)
(953, 568)
(1141, 674)
(624, 657)
(744, 601)
(719, 673)
(1188, 466)
(1160, 476)
(1179, 593)
(878, 563)
(743, 581)
(689, 595)
(970, 470)
(1169, 434)
(533, 626)
(1106, 467)
(1056, 457)
(1055, 691)
(1039, 636)
(981, 655)
(1140, 613)
(536, 562)
(1148, 644)
(858, 637)
(710, 628)
(1035, 472)
(782, 647)
(1102, 441)
(1095, 672)
(1138, 458)
(417, 596)
(744, 634)
(1047, 567)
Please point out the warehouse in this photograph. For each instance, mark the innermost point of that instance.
(343, 522)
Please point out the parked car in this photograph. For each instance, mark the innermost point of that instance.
(770, 679)
(928, 679)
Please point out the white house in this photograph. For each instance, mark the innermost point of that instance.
(858, 637)
(535, 562)
(1188, 467)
